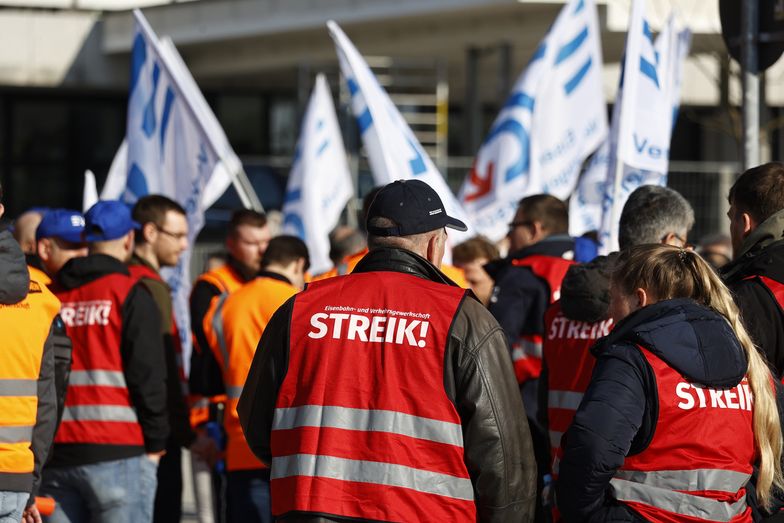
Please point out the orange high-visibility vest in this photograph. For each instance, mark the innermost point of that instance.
(25, 327)
(39, 275)
(346, 266)
(234, 324)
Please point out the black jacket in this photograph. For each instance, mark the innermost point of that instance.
(205, 376)
(144, 365)
(14, 287)
(619, 411)
(479, 380)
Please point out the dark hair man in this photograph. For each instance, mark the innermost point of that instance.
(159, 242)
(756, 273)
(28, 411)
(471, 256)
(246, 240)
(388, 394)
(234, 325)
(115, 425)
(59, 239)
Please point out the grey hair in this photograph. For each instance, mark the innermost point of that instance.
(415, 242)
(651, 213)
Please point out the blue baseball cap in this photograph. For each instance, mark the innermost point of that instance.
(108, 220)
(65, 224)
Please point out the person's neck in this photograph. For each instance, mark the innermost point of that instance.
(287, 272)
(246, 272)
(146, 253)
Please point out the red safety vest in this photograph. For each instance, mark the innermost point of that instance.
(527, 350)
(699, 461)
(98, 408)
(363, 427)
(570, 363)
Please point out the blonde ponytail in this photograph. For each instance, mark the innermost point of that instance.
(667, 272)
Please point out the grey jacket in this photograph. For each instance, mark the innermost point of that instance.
(14, 286)
(479, 380)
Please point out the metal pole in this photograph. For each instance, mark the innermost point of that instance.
(473, 109)
(750, 30)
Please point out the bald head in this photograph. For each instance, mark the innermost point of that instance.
(24, 230)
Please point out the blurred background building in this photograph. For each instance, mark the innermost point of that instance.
(449, 65)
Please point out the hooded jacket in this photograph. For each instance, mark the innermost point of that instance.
(478, 378)
(762, 254)
(14, 286)
(144, 364)
(619, 411)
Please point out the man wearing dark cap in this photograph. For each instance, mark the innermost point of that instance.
(59, 239)
(388, 394)
(115, 425)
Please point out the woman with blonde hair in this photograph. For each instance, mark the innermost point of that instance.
(681, 409)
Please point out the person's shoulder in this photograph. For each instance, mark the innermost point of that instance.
(473, 322)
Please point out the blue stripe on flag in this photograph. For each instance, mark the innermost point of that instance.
(167, 105)
(649, 70)
(520, 100)
(138, 57)
(539, 53)
(647, 30)
(572, 84)
(293, 195)
(571, 47)
(353, 88)
(322, 148)
(417, 163)
(364, 121)
(148, 122)
(579, 7)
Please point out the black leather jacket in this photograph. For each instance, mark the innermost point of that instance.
(479, 380)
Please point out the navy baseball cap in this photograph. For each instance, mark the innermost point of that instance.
(108, 220)
(65, 224)
(414, 207)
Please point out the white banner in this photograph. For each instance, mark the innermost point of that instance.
(393, 150)
(648, 98)
(553, 120)
(319, 184)
(90, 192)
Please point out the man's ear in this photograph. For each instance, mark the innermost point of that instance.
(128, 243)
(749, 223)
(42, 248)
(2, 210)
(643, 298)
(149, 232)
(539, 231)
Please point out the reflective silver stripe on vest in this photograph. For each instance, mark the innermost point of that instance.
(368, 420)
(217, 327)
(18, 387)
(564, 399)
(690, 480)
(21, 434)
(677, 502)
(525, 349)
(233, 392)
(99, 413)
(555, 438)
(101, 378)
(372, 472)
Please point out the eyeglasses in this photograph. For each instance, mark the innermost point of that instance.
(684, 243)
(174, 235)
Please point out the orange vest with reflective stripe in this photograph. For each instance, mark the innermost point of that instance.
(98, 408)
(39, 275)
(698, 463)
(344, 267)
(527, 350)
(456, 275)
(363, 427)
(24, 327)
(224, 278)
(234, 324)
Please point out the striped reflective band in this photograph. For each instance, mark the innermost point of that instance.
(21, 434)
(217, 327)
(375, 472)
(369, 420)
(234, 391)
(99, 413)
(524, 349)
(564, 399)
(677, 502)
(555, 438)
(101, 378)
(15, 387)
(692, 480)
(202, 403)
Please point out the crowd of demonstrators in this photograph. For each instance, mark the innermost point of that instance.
(637, 386)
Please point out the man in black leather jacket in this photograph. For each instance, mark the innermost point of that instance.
(478, 377)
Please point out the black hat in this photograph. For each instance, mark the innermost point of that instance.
(414, 207)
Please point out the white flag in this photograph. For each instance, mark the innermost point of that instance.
(169, 151)
(642, 127)
(393, 150)
(90, 192)
(319, 184)
(553, 120)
